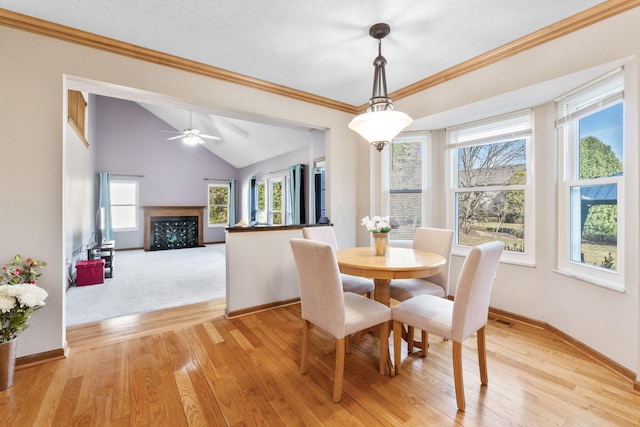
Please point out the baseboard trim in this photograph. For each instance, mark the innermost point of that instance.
(40, 358)
(590, 352)
(256, 308)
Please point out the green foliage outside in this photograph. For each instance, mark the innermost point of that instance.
(218, 204)
(262, 204)
(597, 160)
(276, 203)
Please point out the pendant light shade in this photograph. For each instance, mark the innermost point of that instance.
(380, 124)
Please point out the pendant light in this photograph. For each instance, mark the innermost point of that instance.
(380, 124)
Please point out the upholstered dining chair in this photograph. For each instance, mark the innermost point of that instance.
(457, 319)
(436, 240)
(355, 284)
(326, 306)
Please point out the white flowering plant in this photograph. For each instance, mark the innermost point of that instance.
(20, 295)
(377, 224)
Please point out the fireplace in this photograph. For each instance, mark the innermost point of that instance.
(173, 227)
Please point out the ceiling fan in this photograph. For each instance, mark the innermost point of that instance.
(191, 136)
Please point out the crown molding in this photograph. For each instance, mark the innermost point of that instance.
(559, 29)
(573, 23)
(84, 38)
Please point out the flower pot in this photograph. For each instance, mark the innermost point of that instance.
(7, 363)
(380, 241)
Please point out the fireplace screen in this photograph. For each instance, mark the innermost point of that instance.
(174, 232)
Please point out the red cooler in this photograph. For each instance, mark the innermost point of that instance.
(90, 272)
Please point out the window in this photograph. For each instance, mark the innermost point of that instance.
(405, 191)
(276, 205)
(218, 196)
(491, 190)
(261, 215)
(590, 126)
(272, 200)
(124, 205)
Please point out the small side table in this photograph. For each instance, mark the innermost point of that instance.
(105, 251)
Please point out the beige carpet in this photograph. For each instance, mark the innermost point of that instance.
(149, 281)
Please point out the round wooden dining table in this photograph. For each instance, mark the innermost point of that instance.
(398, 263)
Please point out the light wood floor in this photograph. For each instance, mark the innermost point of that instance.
(191, 366)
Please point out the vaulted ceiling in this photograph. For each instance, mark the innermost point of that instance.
(316, 47)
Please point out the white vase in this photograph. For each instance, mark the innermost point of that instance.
(380, 242)
(7, 363)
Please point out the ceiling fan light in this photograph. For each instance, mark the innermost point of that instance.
(380, 127)
(192, 140)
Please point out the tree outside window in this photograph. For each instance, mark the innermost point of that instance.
(490, 182)
(595, 207)
(261, 190)
(590, 122)
(218, 205)
(276, 205)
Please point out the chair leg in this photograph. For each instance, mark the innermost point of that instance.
(410, 331)
(482, 356)
(425, 343)
(384, 347)
(397, 347)
(306, 326)
(457, 374)
(339, 374)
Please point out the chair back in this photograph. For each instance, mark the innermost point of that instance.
(471, 304)
(321, 293)
(321, 234)
(440, 241)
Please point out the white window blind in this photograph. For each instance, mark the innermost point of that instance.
(603, 92)
(508, 127)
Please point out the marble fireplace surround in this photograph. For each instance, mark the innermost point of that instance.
(172, 211)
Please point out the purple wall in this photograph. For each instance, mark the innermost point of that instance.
(129, 141)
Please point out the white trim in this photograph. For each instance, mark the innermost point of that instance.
(228, 187)
(602, 93)
(507, 127)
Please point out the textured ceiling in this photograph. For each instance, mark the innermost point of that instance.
(317, 46)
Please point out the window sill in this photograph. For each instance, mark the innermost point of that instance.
(506, 258)
(592, 281)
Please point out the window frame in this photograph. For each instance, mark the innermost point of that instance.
(271, 211)
(568, 153)
(228, 187)
(424, 138)
(267, 182)
(526, 258)
(136, 205)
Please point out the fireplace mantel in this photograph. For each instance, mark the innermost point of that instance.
(160, 211)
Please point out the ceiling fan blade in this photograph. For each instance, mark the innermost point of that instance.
(170, 131)
(175, 137)
(217, 138)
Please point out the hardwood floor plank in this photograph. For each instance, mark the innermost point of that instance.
(209, 370)
(121, 382)
(190, 402)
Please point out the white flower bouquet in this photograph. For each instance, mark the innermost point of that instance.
(20, 296)
(377, 224)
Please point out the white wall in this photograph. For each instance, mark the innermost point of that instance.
(32, 83)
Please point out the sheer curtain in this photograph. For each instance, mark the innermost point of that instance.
(104, 204)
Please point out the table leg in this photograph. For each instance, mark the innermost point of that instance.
(381, 292)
